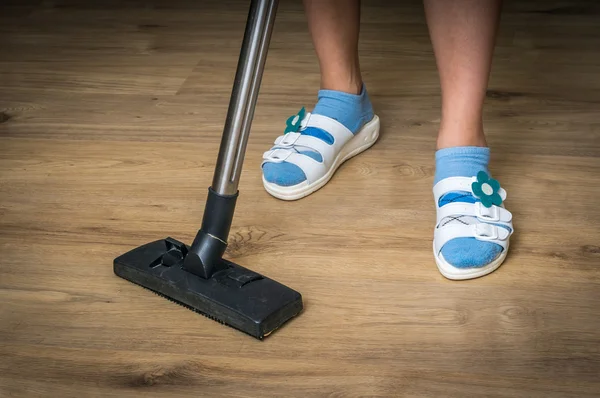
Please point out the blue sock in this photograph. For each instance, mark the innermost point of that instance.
(464, 162)
(353, 111)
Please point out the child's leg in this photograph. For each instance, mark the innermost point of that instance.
(343, 106)
(463, 35)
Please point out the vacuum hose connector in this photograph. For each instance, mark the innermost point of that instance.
(211, 241)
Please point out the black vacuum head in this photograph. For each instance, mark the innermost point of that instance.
(233, 294)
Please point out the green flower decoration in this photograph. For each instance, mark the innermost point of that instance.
(292, 125)
(487, 190)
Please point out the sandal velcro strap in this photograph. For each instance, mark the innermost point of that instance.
(277, 155)
(458, 184)
(479, 231)
(313, 170)
(287, 140)
(494, 214)
(298, 144)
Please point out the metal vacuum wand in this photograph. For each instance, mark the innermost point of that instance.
(211, 241)
(199, 277)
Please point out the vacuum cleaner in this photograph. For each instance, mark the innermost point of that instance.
(198, 276)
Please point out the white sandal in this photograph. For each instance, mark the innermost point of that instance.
(490, 219)
(345, 145)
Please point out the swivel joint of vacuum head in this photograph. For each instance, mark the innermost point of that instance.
(211, 241)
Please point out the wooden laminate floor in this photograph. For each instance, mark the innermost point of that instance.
(110, 119)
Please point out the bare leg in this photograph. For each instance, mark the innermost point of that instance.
(463, 35)
(334, 26)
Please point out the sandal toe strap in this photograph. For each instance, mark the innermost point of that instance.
(480, 231)
(493, 214)
(313, 170)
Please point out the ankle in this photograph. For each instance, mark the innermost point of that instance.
(456, 140)
(352, 110)
(461, 135)
(351, 84)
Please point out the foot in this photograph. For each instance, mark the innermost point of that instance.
(315, 144)
(473, 227)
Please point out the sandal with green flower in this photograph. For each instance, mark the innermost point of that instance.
(488, 221)
(317, 159)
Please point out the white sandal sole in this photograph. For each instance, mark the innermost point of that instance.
(451, 272)
(361, 141)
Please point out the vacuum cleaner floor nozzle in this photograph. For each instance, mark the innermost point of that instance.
(233, 295)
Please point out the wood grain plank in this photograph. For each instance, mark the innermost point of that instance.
(110, 120)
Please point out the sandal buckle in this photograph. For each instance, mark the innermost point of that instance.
(289, 140)
(488, 214)
(277, 155)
